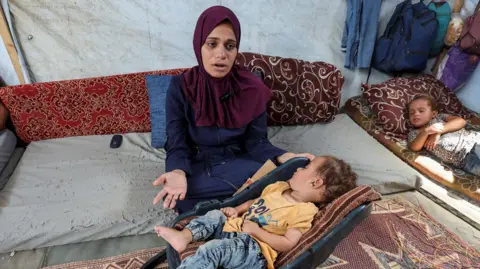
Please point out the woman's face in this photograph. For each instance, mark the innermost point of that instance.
(219, 51)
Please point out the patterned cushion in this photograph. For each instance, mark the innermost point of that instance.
(325, 220)
(91, 106)
(303, 92)
(388, 100)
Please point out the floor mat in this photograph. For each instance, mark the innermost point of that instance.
(399, 234)
(132, 260)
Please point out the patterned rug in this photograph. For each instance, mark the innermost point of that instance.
(398, 235)
(132, 260)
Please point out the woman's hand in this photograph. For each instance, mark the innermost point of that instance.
(289, 155)
(432, 141)
(230, 212)
(174, 188)
(249, 227)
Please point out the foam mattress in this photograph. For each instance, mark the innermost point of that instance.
(77, 189)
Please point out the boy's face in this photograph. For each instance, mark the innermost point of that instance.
(420, 113)
(302, 179)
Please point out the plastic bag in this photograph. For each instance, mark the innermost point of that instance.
(454, 30)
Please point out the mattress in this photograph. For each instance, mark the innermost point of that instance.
(77, 189)
(461, 190)
(344, 139)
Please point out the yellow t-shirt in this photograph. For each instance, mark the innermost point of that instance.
(275, 215)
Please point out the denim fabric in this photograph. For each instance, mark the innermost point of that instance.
(157, 86)
(360, 32)
(348, 20)
(227, 250)
(472, 161)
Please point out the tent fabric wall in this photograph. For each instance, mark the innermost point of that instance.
(469, 95)
(75, 39)
(85, 38)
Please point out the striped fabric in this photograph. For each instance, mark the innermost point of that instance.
(324, 221)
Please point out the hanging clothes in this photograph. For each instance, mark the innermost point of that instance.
(360, 32)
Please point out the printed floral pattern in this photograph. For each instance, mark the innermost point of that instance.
(359, 110)
(303, 92)
(91, 106)
(388, 100)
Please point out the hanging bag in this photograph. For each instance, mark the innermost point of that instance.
(470, 38)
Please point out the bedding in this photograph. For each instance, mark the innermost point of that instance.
(89, 106)
(344, 139)
(302, 92)
(77, 189)
(358, 109)
(389, 99)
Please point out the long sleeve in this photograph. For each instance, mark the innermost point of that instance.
(178, 151)
(257, 144)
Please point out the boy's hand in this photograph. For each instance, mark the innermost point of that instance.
(249, 227)
(436, 128)
(230, 212)
(432, 141)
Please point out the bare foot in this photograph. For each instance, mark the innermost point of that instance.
(177, 239)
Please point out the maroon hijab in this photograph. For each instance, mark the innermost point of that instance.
(244, 95)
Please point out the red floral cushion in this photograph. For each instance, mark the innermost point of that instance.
(388, 100)
(91, 106)
(303, 92)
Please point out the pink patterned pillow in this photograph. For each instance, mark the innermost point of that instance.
(388, 100)
(303, 92)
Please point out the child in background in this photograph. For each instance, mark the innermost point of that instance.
(443, 135)
(257, 230)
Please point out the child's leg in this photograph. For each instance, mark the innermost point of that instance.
(472, 162)
(241, 252)
(208, 226)
(200, 229)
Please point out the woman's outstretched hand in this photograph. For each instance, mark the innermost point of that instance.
(174, 188)
(289, 155)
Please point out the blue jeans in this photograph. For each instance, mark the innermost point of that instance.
(472, 161)
(360, 32)
(228, 250)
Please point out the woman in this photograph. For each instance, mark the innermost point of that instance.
(216, 120)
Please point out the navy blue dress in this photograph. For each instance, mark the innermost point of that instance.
(217, 161)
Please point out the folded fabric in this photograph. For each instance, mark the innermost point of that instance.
(157, 86)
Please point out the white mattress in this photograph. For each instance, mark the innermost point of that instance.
(343, 138)
(78, 189)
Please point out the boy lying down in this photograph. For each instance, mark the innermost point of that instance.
(272, 223)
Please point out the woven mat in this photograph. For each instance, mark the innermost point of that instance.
(397, 235)
(132, 260)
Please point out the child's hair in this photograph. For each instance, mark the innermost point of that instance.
(338, 177)
(428, 98)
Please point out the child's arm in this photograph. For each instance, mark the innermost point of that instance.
(419, 141)
(244, 207)
(453, 123)
(280, 243)
(234, 212)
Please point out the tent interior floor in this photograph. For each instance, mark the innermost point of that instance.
(43, 257)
